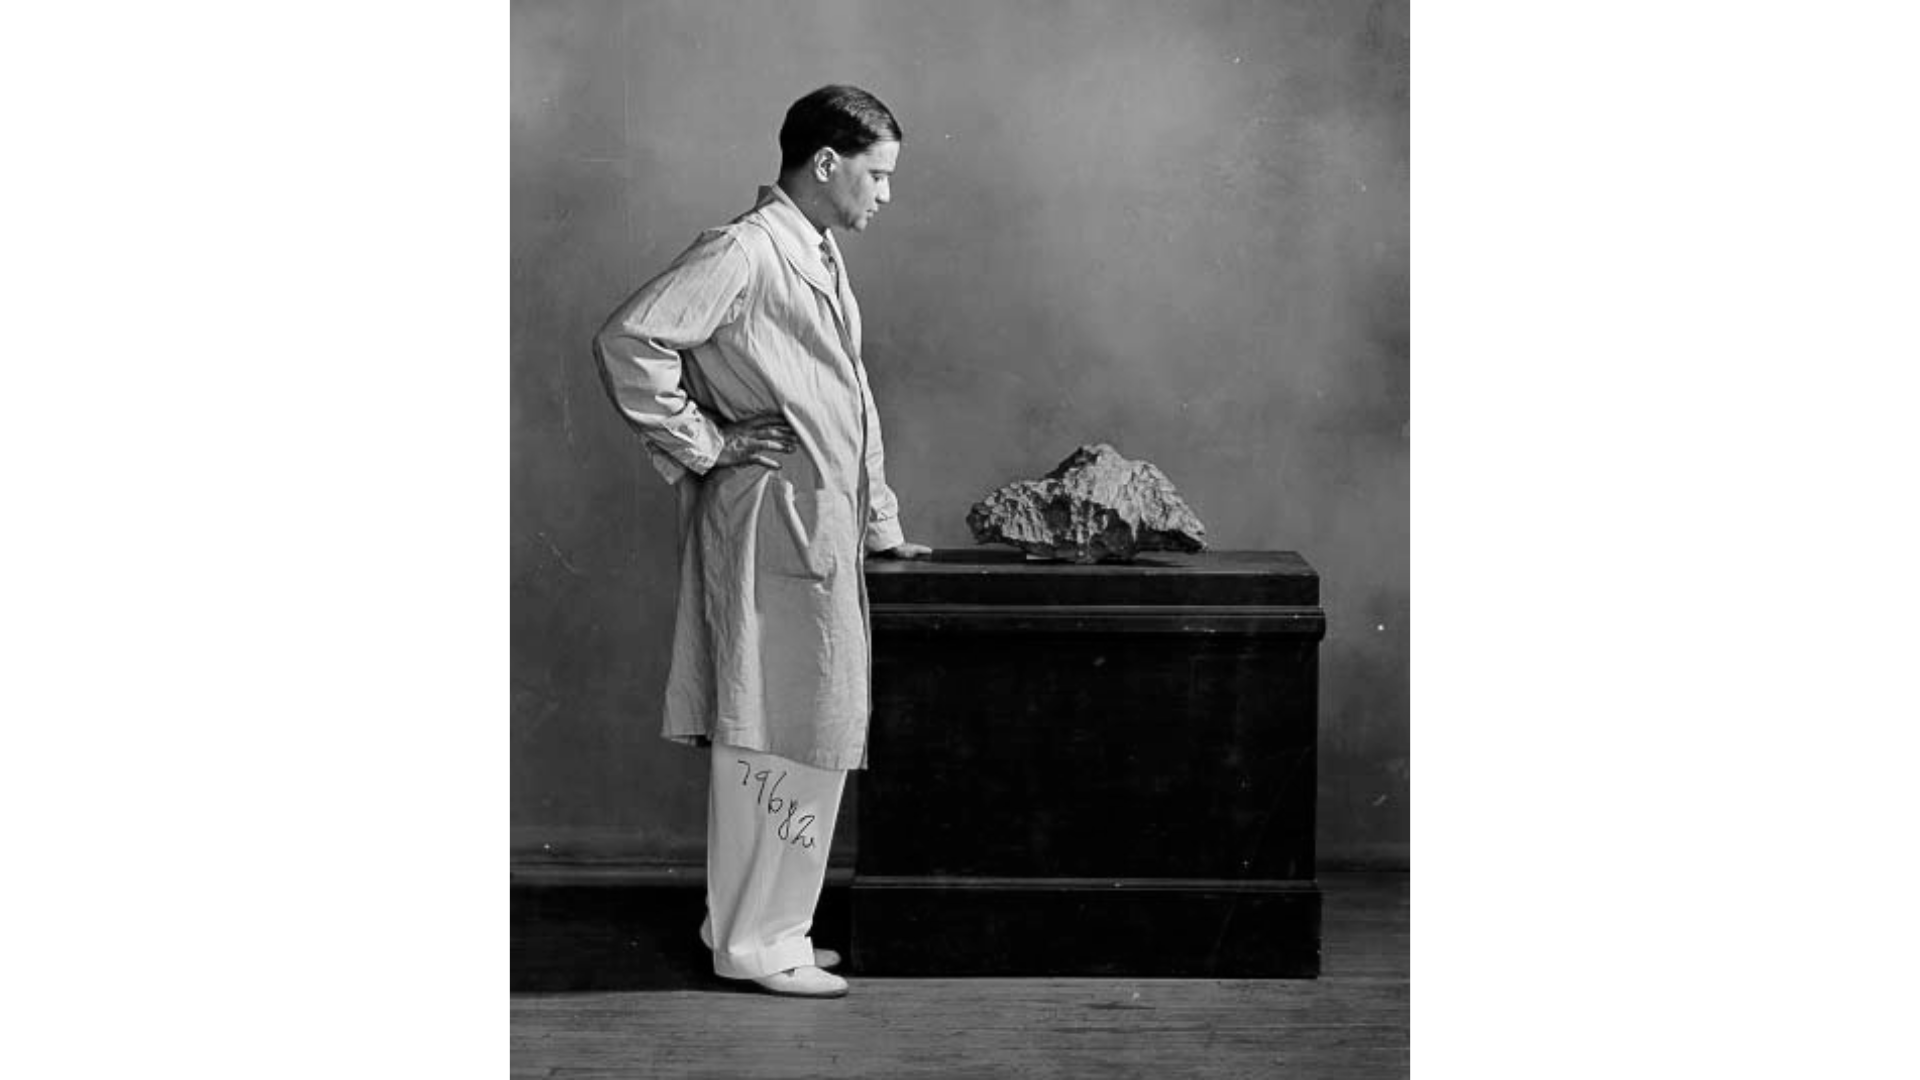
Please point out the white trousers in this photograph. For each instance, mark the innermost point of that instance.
(769, 824)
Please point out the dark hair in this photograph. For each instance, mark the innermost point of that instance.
(846, 118)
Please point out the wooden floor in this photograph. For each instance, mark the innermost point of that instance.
(1350, 1023)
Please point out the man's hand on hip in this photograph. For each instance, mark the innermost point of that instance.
(755, 440)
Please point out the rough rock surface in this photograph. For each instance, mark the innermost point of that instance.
(1095, 506)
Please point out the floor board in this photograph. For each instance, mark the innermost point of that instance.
(1350, 1023)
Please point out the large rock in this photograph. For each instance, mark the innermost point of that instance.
(1095, 506)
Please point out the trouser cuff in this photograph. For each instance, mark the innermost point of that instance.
(791, 953)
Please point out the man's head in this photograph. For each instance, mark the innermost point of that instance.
(838, 148)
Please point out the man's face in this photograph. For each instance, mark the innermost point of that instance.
(860, 185)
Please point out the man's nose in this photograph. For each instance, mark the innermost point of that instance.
(884, 195)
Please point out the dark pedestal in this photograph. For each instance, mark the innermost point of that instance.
(1090, 770)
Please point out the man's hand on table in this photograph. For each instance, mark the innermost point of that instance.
(907, 550)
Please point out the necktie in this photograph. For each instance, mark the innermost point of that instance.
(826, 256)
(842, 300)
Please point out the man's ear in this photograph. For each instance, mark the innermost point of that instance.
(824, 162)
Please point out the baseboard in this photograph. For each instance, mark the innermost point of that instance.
(631, 928)
(1014, 927)
(535, 868)
(548, 872)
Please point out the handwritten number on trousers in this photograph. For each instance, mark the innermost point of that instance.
(773, 803)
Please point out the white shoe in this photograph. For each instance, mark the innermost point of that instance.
(825, 958)
(803, 982)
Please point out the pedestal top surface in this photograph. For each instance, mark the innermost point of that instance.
(1003, 576)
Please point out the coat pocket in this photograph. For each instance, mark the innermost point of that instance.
(798, 523)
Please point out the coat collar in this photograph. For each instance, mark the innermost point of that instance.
(799, 242)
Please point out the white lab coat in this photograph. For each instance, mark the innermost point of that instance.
(771, 646)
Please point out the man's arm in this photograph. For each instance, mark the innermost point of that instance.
(884, 535)
(639, 351)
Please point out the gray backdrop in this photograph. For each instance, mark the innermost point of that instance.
(1178, 228)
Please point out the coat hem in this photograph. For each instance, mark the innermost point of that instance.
(850, 762)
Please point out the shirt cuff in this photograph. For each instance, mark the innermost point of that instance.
(883, 534)
(697, 448)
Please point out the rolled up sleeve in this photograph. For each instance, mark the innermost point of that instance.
(639, 351)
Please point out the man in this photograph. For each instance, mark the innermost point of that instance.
(740, 366)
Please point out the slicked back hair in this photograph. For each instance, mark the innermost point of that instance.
(846, 118)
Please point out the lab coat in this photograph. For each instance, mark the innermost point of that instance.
(771, 646)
